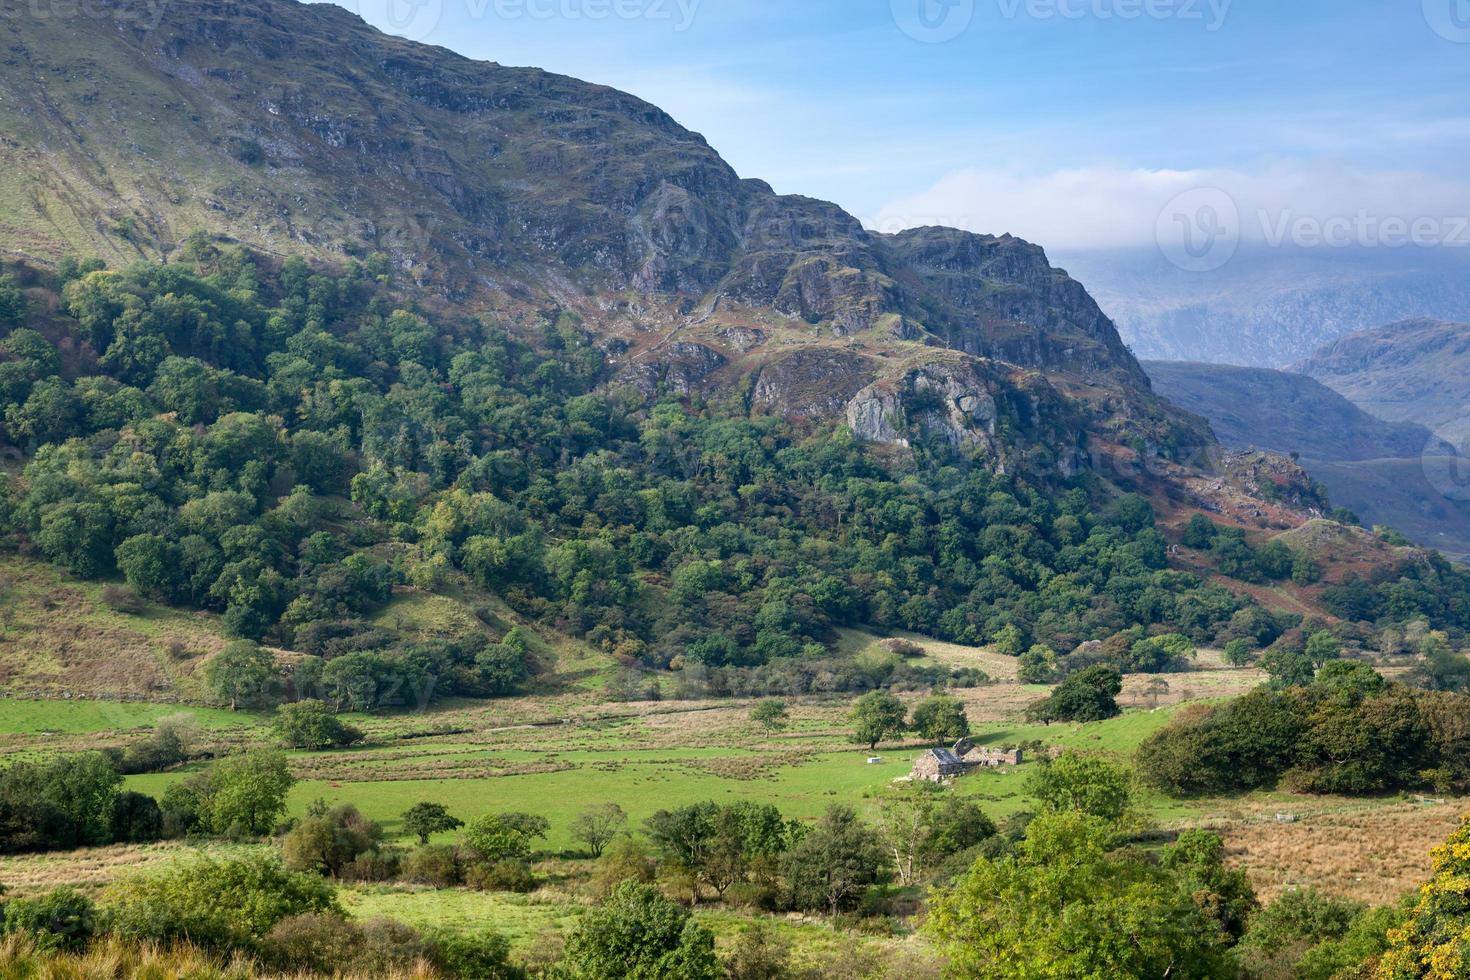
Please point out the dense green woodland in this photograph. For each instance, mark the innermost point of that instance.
(284, 446)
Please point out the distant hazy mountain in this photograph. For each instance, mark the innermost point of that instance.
(1269, 307)
(1284, 413)
(1389, 473)
(1414, 370)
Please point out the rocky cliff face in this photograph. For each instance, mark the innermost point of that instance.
(298, 129)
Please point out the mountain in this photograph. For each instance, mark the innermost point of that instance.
(513, 190)
(1269, 307)
(376, 317)
(1386, 472)
(1413, 370)
(1284, 413)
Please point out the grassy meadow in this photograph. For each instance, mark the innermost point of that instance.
(567, 747)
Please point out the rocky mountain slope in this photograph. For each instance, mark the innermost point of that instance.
(1386, 472)
(1414, 371)
(299, 129)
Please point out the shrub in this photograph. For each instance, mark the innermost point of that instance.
(434, 864)
(121, 600)
(758, 953)
(373, 866)
(1283, 931)
(484, 956)
(388, 945)
(319, 942)
(501, 876)
(625, 859)
(504, 836)
(136, 818)
(1081, 783)
(1090, 695)
(639, 933)
(63, 919)
(218, 905)
(328, 843)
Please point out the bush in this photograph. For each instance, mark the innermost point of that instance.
(504, 836)
(217, 905)
(1283, 931)
(328, 843)
(373, 866)
(1090, 695)
(434, 864)
(121, 600)
(484, 956)
(388, 945)
(758, 953)
(63, 919)
(319, 942)
(627, 858)
(136, 818)
(501, 876)
(639, 933)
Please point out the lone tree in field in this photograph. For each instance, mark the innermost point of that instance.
(941, 719)
(426, 819)
(311, 725)
(239, 672)
(770, 714)
(598, 826)
(1090, 695)
(874, 717)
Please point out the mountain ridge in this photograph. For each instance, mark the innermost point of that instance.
(1385, 472)
(1412, 370)
(513, 189)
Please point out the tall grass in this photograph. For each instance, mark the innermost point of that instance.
(113, 959)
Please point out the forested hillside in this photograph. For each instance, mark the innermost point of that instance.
(285, 446)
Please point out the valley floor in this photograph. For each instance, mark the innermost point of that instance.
(556, 755)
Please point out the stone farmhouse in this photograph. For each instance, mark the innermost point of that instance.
(937, 765)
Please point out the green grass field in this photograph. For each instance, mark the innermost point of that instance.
(20, 716)
(581, 766)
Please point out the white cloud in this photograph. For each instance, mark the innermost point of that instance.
(1111, 207)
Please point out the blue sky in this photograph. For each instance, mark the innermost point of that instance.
(1057, 119)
